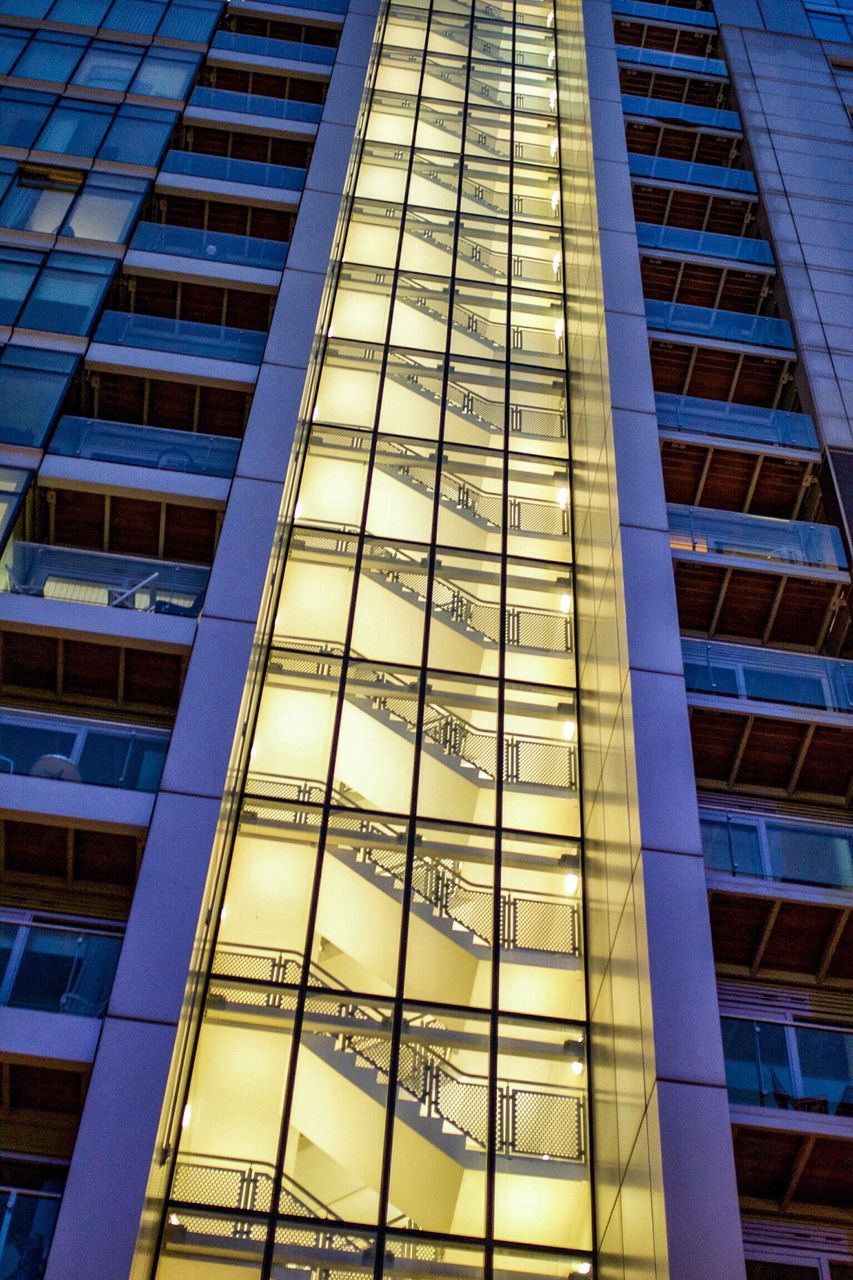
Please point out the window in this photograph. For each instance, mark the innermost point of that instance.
(18, 270)
(101, 207)
(33, 384)
(75, 128)
(106, 208)
(25, 8)
(68, 293)
(50, 55)
(82, 13)
(130, 134)
(166, 74)
(13, 485)
(22, 114)
(190, 20)
(108, 66)
(38, 200)
(139, 135)
(11, 44)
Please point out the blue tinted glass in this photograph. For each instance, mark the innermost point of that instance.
(22, 114)
(139, 136)
(105, 210)
(18, 270)
(50, 56)
(64, 301)
(166, 75)
(83, 13)
(11, 44)
(35, 203)
(25, 8)
(32, 387)
(75, 129)
(108, 66)
(189, 22)
(139, 16)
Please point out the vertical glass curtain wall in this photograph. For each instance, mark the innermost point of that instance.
(390, 1071)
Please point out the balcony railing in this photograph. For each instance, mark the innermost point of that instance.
(671, 61)
(778, 849)
(705, 243)
(732, 533)
(56, 968)
(132, 445)
(73, 749)
(186, 337)
(261, 47)
(319, 6)
(664, 13)
(690, 172)
(27, 1222)
(211, 246)
(96, 577)
(253, 173)
(735, 421)
(255, 104)
(797, 679)
(681, 112)
(791, 1068)
(723, 326)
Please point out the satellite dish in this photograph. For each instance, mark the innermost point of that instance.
(60, 768)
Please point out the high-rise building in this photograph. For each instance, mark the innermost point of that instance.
(425, 745)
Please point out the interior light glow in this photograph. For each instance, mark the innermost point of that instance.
(557, 263)
(559, 328)
(297, 511)
(569, 730)
(554, 145)
(185, 1118)
(549, 21)
(584, 1268)
(570, 883)
(577, 1070)
(223, 915)
(566, 602)
(555, 200)
(174, 1220)
(551, 56)
(562, 498)
(552, 100)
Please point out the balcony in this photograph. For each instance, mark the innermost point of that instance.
(27, 1222)
(95, 577)
(704, 243)
(229, 102)
(702, 531)
(720, 326)
(128, 444)
(209, 246)
(664, 13)
(808, 853)
(183, 337)
(671, 61)
(285, 50)
(797, 680)
(721, 418)
(789, 1068)
(661, 109)
(72, 749)
(56, 968)
(252, 173)
(664, 169)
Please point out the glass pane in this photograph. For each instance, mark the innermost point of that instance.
(50, 56)
(73, 130)
(21, 117)
(731, 846)
(166, 76)
(143, 137)
(826, 1067)
(758, 1070)
(16, 279)
(34, 203)
(107, 66)
(30, 393)
(102, 214)
(65, 301)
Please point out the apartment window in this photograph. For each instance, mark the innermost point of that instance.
(68, 293)
(182, 20)
(139, 134)
(13, 486)
(108, 66)
(75, 128)
(103, 207)
(166, 74)
(50, 55)
(33, 385)
(22, 114)
(18, 270)
(11, 45)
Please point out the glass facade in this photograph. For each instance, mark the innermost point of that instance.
(391, 1059)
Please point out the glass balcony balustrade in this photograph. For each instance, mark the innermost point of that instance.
(73, 749)
(211, 246)
(692, 173)
(722, 326)
(778, 849)
(56, 968)
(132, 445)
(291, 50)
(735, 421)
(671, 61)
(319, 6)
(738, 671)
(186, 337)
(684, 112)
(705, 243)
(664, 13)
(789, 1068)
(253, 173)
(27, 1222)
(255, 104)
(96, 577)
(733, 533)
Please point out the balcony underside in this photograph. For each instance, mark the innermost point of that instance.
(765, 755)
(760, 483)
(703, 283)
(792, 1172)
(757, 607)
(679, 143)
(770, 936)
(684, 368)
(652, 35)
(697, 210)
